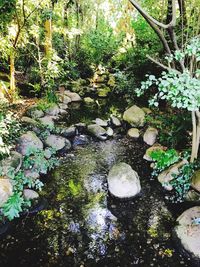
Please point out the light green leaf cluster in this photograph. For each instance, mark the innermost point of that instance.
(181, 90)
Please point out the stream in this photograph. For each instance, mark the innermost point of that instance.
(83, 225)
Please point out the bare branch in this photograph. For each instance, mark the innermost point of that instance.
(172, 23)
(162, 65)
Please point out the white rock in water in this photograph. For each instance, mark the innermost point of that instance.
(123, 181)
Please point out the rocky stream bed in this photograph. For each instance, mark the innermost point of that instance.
(81, 223)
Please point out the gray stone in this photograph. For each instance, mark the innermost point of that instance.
(35, 113)
(47, 121)
(53, 110)
(14, 161)
(63, 112)
(168, 175)
(115, 121)
(97, 131)
(133, 133)
(6, 190)
(57, 142)
(47, 153)
(30, 194)
(150, 136)
(80, 140)
(32, 174)
(69, 132)
(188, 231)
(63, 106)
(101, 122)
(29, 121)
(110, 131)
(73, 96)
(29, 141)
(123, 181)
(64, 99)
(135, 116)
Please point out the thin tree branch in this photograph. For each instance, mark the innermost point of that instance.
(172, 23)
(162, 65)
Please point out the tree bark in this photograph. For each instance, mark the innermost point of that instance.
(48, 38)
(12, 76)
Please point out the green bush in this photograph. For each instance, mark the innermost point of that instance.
(16, 203)
(163, 159)
(174, 128)
(10, 130)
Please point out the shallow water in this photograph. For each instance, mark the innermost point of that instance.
(84, 226)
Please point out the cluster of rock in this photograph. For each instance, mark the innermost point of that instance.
(187, 231)
(100, 84)
(102, 129)
(135, 117)
(38, 122)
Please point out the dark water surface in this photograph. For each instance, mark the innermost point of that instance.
(84, 226)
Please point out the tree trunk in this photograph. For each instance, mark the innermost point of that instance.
(195, 135)
(48, 38)
(12, 76)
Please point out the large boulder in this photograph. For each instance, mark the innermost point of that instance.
(150, 136)
(14, 161)
(188, 232)
(196, 180)
(29, 141)
(123, 181)
(168, 175)
(73, 96)
(135, 116)
(57, 142)
(97, 131)
(6, 190)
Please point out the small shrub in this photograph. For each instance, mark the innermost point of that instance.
(10, 130)
(163, 159)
